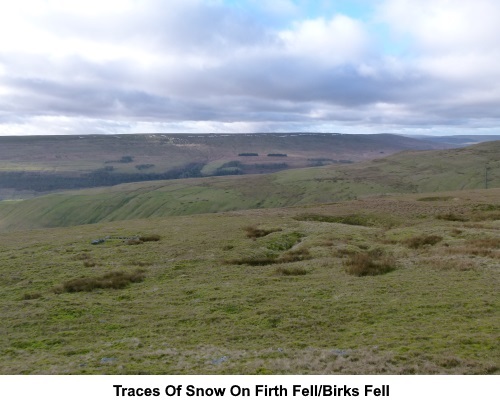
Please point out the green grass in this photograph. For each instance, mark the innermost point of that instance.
(197, 312)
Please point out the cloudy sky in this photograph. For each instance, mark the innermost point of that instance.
(358, 66)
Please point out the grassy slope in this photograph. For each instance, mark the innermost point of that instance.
(437, 312)
(413, 171)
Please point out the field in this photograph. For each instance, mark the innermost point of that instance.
(405, 284)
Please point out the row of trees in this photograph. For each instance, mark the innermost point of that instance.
(237, 167)
(43, 182)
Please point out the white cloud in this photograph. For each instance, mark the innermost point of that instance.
(338, 40)
(445, 25)
(203, 65)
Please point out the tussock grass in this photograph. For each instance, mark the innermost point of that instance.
(450, 264)
(493, 243)
(295, 255)
(82, 256)
(285, 271)
(345, 251)
(266, 258)
(133, 242)
(486, 216)
(252, 261)
(150, 238)
(369, 264)
(31, 296)
(484, 247)
(472, 251)
(253, 232)
(353, 219)
(451, 217)
(417, 242)
(113, 280)
(435, 198)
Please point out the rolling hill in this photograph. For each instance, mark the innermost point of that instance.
(30, 166)
(410, 171)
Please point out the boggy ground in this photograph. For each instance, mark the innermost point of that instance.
(390, 285)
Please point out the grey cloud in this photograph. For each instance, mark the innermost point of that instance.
(244, 74)
(186, 26)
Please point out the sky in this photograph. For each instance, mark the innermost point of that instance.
(422, 67)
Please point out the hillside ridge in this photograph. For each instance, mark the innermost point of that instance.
(405, 172)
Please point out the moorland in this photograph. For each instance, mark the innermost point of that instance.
(34, 165)
(388, 265)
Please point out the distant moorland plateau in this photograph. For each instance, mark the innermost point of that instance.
(39, 164)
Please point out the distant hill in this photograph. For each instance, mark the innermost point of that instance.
(41, 164)
(458, 140)
(473, 167)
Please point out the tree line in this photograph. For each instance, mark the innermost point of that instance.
(43, 182)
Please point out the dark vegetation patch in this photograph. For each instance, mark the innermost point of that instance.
(41, 182)
(313, 162)
(486, 247)
(235, 167)
(150, 238)
(82, 256)
(266, 258)
(488, 207)
(372, 263)
(417, 242)
(266, 166)
(253, 232)
(295, 255)
(353, 219)
(141, 239)
(486, 243)
(32, 296)
(451, 217)
(123, 159)
(285, 271)
(253, 260)
(248, 154)
(486, 214)
(435, 198)
(144, 166)
(472, 251)
(113, 280)
(132, 242)
(277, 154)
(232, 163)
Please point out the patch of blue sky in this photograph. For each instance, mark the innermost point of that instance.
(283, 13)
(389, 43)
